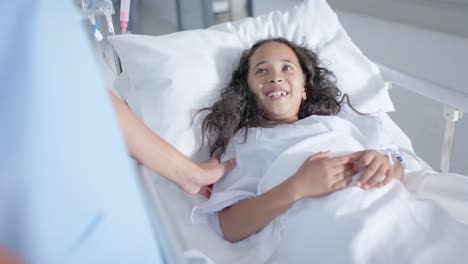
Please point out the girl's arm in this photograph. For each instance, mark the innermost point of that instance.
(156, 154)
(318, 175)
(249, 216)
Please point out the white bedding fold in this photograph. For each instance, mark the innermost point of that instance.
(381, 225)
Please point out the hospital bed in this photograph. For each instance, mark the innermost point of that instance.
(166, 79)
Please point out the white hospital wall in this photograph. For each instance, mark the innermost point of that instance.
(165, 10)
(419, 45)
(260, 7)
(158, 17)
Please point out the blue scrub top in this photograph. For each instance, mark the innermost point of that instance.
(68, 192)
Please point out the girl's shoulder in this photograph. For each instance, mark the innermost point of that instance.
(348, 113)
(241, 142)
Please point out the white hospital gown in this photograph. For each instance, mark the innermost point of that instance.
(259, 161)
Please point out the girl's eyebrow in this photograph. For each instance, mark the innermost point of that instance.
(290, 61)
(259, 64)
(262, 62)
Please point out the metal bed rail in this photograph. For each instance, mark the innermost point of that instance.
(455, 103)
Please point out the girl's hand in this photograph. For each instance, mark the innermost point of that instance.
(320, 175)
(377, 169)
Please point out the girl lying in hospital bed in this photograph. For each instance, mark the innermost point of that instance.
(315, 181)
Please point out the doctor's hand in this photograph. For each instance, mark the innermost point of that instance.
(210, 172)
(320, 175)
(377, 170)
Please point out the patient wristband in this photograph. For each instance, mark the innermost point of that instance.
(390, 153)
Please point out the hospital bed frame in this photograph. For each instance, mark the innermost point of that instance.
(455, 103)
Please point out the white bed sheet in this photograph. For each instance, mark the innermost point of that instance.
(175, 207)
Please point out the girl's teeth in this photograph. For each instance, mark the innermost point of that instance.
(276, 94)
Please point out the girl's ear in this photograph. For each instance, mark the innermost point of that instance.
(304, 94)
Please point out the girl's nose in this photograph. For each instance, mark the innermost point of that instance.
(276, 78)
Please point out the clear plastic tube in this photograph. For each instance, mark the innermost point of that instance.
(124, 14)
(110, 25)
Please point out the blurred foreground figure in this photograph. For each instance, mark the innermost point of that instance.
(68, 193)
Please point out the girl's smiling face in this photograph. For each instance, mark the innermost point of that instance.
(276, 79)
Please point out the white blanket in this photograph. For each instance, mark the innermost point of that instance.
(174, 208)
(381, 225)
(386, 225)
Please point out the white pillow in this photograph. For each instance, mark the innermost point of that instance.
(314, 22)
(168, 78)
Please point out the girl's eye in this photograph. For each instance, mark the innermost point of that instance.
(260, 71)
(287, 68)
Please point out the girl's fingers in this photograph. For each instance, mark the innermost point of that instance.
(377, 177)
(345, 173)
(362, 161)
(319, 155)
(341, 184)
(368, 173)
(388, 178)
(341, 161)
(357, 155)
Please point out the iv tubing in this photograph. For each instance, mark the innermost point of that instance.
(124, 14)
(97, 34)
(110, 25)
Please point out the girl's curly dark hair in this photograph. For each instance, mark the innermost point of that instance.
(238, 108)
